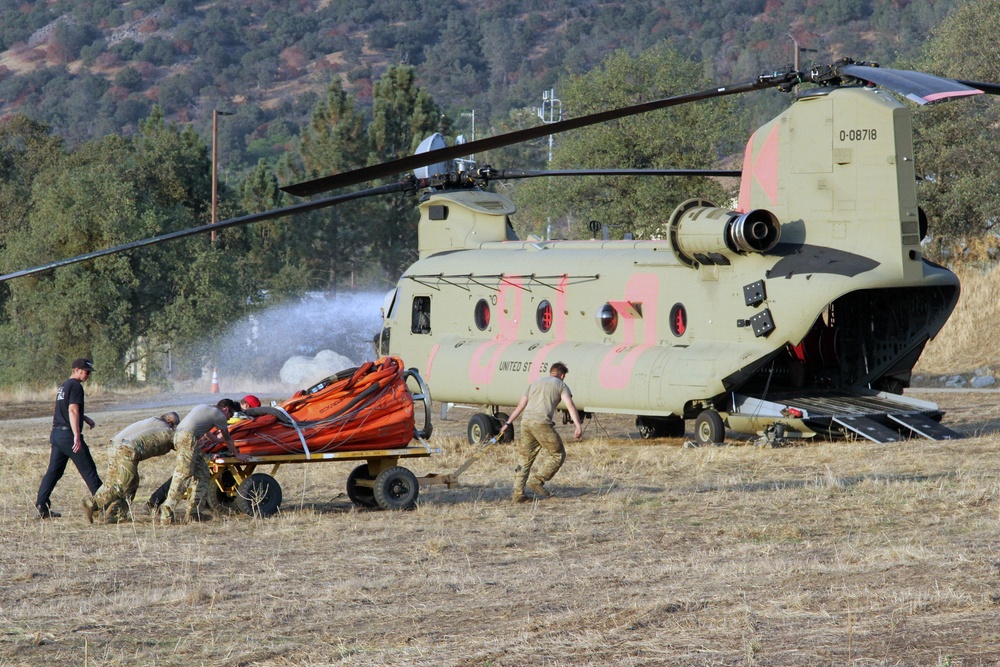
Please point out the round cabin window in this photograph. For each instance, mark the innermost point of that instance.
(678, 320)
(482, 314)
(607, 317)
(543, 316)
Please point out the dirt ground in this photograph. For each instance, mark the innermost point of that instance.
(842, 553)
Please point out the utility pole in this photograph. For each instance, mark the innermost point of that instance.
(472, 114)
(215, 159)
(550, 112)
(798, 52)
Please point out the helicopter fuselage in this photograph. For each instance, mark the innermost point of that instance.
(815, 283)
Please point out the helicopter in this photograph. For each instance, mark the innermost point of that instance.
(799, 313)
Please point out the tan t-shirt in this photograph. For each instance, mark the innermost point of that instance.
(147, 438)
(543, 397)
(201, 419)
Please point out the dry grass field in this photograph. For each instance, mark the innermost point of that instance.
(842, 553)
(968, 340)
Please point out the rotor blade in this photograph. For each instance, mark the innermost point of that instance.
(506, 174)
(224, 224)
(918, 87)
(988, 88)
(411, 162)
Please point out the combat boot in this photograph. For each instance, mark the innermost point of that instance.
(46, 513)
(118, 516)
(537, 486)
(198, 516)
(518, 497)
(89, 509)
(166, 516)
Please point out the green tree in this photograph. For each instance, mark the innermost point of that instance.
(333, 241)
(691, 136)
(274, 243)
(26, 149)
(91, 202)
(104, 194)
(454, 66)
(207, 285)
(335, 139)
(403, 115)
(956, 141)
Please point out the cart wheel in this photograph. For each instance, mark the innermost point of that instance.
(709, 429)
(259, 494)
(499, 419)
(362, 496)
(226, 499)
(157, 497)
(396, 489)
(482, 427)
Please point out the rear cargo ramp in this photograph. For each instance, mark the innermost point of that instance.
(879, 417)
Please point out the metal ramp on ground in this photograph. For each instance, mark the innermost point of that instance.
(877, 416)
(924, 426)
(868, 428)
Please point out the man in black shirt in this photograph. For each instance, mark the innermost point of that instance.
(67, 439)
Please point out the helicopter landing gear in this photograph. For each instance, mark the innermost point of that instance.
(709, 428)
(482, 427)
(508, 435)
(660, 427)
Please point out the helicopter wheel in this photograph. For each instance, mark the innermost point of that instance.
(672, 427)
(647, 428)
(482, 427)
(709, 428)
(498, 420)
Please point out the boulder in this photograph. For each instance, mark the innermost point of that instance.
(981, 381)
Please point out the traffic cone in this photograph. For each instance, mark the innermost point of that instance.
(215, 381)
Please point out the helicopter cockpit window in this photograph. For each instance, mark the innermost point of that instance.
(607, 317)
(482, 315)
(543, 316)
(421, 315)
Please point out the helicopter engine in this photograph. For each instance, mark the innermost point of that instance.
(704, 234)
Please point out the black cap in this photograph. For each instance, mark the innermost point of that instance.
(85, 364)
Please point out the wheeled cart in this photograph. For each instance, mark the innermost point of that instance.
(363, 414)
(378, 482)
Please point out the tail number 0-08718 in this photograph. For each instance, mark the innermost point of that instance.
(867, 134)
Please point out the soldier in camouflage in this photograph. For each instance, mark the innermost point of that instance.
(538, 432)
(142, 440)
(191, 465)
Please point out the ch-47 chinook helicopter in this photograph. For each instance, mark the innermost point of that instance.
(800, 313)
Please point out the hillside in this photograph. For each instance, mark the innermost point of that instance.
(97, 68)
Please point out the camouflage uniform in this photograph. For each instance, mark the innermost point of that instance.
(142, 440)
(191, 465)
(538, 433)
